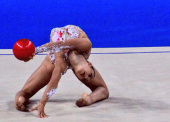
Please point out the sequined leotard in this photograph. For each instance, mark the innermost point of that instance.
(62, 34)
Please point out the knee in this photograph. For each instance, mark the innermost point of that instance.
(47, 64)
(23, 93)
(19, 93)
(49, 68)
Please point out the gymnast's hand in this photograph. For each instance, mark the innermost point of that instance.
(40, 109)
(31, 57)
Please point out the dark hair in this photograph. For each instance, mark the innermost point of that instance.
(93, 70)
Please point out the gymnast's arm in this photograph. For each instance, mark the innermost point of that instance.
(53, 83)
(59, 69)
(82, 45)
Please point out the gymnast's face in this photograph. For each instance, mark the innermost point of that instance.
(84, 72)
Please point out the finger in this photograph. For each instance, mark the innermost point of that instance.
(39, 114)
(33, 109)
(46, 116)
(31, 57)
(42, 115)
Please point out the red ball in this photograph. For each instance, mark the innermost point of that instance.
(23, 49)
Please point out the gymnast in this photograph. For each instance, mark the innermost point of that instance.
(69, 48)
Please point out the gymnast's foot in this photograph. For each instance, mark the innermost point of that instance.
(21, 103)
(84, 101)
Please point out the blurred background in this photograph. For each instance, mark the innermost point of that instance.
(108, 23)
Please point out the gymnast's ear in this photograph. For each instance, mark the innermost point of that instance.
(90, 64)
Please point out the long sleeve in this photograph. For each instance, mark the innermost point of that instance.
(82, 45)
(46, 48)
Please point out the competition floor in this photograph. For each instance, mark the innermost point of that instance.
(138, 80)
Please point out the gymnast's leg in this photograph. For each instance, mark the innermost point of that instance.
(99, 91)
(36, 81)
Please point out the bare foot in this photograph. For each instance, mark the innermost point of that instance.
(20, 104)
(84, 101)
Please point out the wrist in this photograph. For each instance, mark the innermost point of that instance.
(40, 103)
(43, 102)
